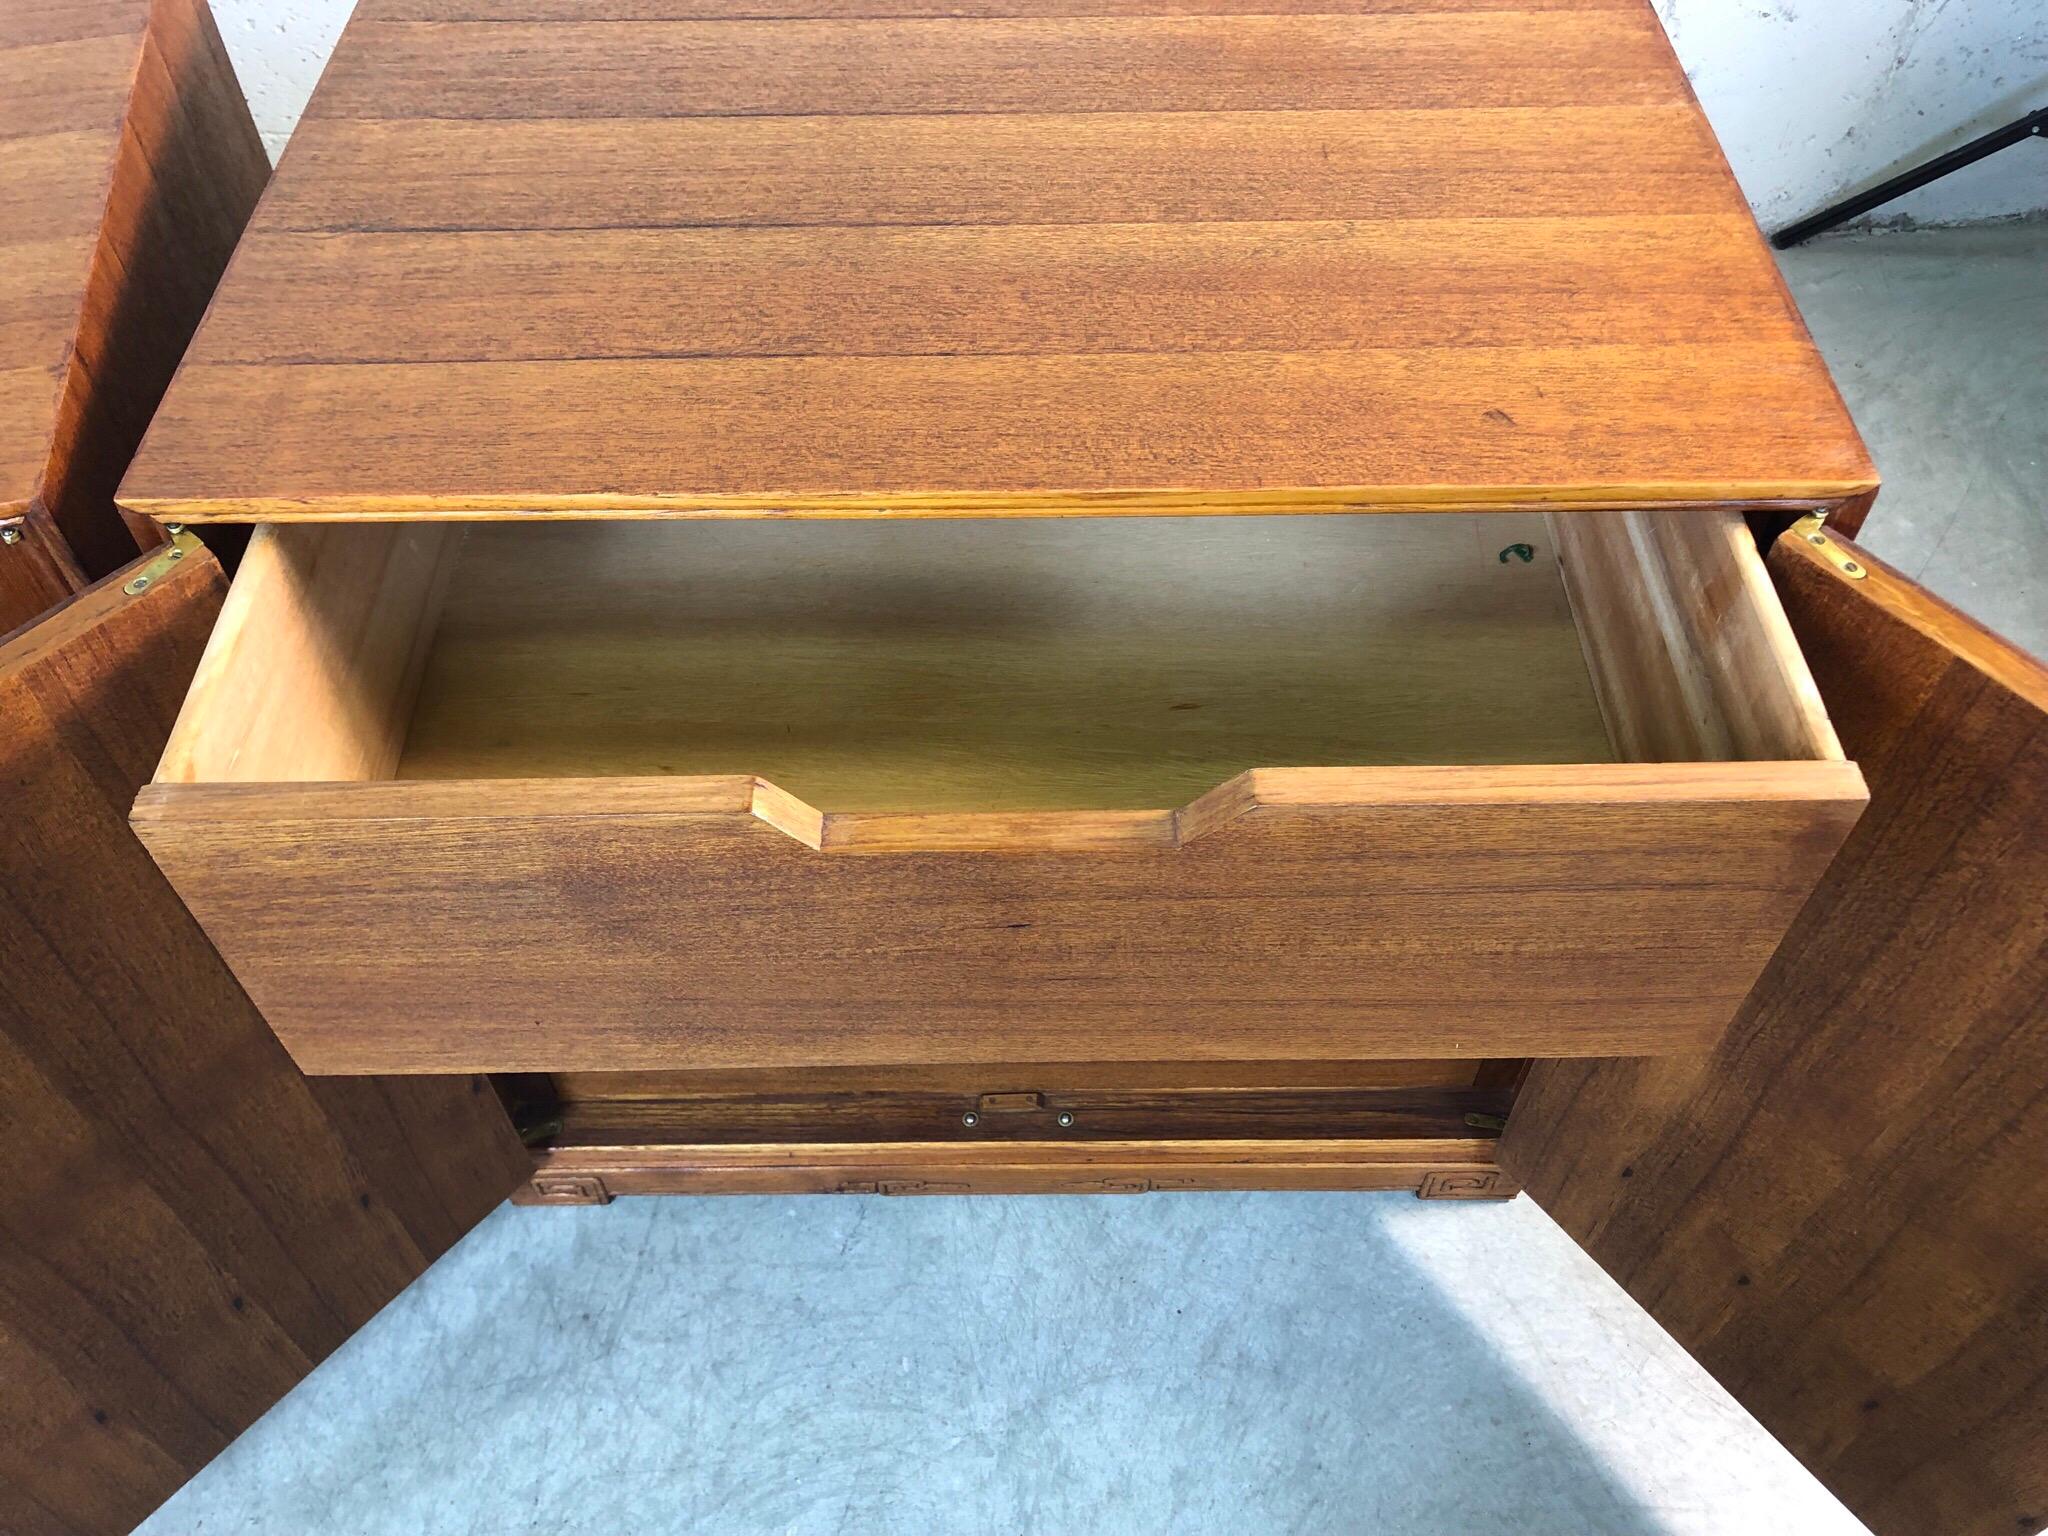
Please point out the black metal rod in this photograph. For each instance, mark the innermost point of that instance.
(2033, 125)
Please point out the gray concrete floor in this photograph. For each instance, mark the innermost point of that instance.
(1939, 341)
(1185, 1364)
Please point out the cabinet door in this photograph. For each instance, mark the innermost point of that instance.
(1842, 1212)
(187, 1225)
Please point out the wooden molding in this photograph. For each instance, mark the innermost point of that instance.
(1437, 1169)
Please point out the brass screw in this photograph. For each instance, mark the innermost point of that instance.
(1066, 1117)
(11, 534)
(970, 1119)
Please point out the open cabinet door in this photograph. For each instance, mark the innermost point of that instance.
(1843, 1211)
(187, 1225)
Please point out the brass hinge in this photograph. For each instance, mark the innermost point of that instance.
(1811, 528)
(181, 545)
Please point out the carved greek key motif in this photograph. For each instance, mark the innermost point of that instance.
(570, 1189)
(1466, 1184)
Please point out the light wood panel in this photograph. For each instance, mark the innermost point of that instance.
(187, 1225)
(1556, 298)
(130, 168)
(1839, 1211)
(311, 672)
(1058, 665)
(1686, 641)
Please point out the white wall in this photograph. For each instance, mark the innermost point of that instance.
(1812, 98)
(279, 48)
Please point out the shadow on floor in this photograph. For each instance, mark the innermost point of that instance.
(1184, 1364)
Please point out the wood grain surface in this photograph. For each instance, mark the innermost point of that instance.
(1044, 1077)
(37, 569)
(1687, 644)
(991, 835)
(1840, 1211)
(1062, 1127)
(311, 671)
(1453, 1168)
(970, 665)
(905, 257)
(795, 1116)
(605, 924)
(130, 168)
(187, 1226)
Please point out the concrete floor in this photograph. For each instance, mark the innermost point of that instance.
(1939, 341)
(1192, 1363)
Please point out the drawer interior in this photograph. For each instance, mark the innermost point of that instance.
(968, 665)
(994, 665)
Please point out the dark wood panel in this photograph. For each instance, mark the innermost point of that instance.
(37, 570)
(1044, 1076)
(1164, 1114)
(131, 168)
(187, 1226)
(185, 178)
(1841, 1212)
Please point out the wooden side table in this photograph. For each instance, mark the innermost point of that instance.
(964, 598)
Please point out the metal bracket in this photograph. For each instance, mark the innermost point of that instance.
(2033, 126)
(181, 545)
(1810, 529)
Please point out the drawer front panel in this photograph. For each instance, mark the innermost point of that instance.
(561, 925)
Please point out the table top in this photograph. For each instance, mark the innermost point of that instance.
(916, 257)
(66, 69)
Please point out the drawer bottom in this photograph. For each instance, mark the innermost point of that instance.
(1107, 1129)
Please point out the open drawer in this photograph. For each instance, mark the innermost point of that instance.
(614, 796)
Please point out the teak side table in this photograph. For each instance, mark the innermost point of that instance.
(1124, 596)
